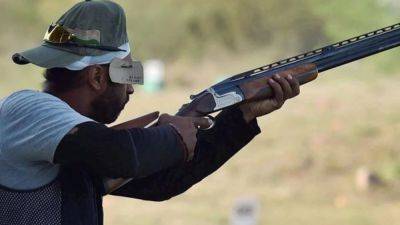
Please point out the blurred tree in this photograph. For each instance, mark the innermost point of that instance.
(195, 26)
(345, 18)
(172, 29)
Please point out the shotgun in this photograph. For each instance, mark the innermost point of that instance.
(251, 85)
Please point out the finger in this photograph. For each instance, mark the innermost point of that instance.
(287, 90)
(294, 84)
(278, 93)
(201, 122)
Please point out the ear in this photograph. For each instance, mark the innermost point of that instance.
(97, 78)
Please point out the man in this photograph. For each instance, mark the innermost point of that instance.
(56, 152)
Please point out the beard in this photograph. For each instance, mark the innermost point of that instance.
(107, 107)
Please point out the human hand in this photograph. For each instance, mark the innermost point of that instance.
(187, 128)
(284, 86)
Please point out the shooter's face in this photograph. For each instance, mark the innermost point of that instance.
(111, 102)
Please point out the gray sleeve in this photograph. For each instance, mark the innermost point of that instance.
(33, 124)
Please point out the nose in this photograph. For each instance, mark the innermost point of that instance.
(130, 89)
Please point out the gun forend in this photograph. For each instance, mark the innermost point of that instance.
(258, 89)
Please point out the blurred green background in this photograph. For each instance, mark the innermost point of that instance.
(316, 156)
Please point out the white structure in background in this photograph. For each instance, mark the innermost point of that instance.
(366, 179)
(154, 75)
(245, 212)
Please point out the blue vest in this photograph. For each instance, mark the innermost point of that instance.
(73, 198)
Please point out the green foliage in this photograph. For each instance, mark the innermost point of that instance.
(171, 29)
(390, 171)
(229, 25)
(191, 30)
(346, 19)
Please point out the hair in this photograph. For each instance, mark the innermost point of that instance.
(60, 80)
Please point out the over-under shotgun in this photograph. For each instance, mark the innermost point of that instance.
(251, 85)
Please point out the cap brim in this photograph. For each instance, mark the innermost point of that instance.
(46, 57)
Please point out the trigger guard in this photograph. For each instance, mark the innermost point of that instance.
(212, 121)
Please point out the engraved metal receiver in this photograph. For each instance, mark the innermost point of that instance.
(226, 99)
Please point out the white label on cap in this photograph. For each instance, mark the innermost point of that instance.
(86, 34)
(126, 71)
